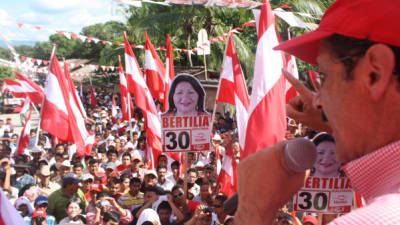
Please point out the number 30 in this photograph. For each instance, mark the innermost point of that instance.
(183, 140)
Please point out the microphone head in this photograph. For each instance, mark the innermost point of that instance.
(300, 154)
(230, 205)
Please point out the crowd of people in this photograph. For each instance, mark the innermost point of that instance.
(51, 184)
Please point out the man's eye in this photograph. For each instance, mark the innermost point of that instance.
(322, 77)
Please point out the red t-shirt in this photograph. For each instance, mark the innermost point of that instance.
(193, 205)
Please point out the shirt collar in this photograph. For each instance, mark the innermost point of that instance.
(376, 173)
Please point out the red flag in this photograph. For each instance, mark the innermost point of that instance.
(93, 100)
(83, 139)
(123, 86)
(23, 108)
(155, 71)
(267, 104)
(233, 89)
(228, 178)
(23, 141)
(114, 110)
(292, 68)
(61, 116)
(4, 89)
(145, 102)
(54, 116)
(15, 88)
(33, 91)
(314, 77)
(72, 90)
(169, 72)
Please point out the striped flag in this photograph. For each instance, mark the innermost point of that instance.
(233, 89)
(144, 100)
(267, 103)
(155, 71)
(23, 141)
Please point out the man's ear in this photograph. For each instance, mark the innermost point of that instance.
(380, 61)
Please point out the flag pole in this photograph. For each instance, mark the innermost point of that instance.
(130, 117)
(44, 95)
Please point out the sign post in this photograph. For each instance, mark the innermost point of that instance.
(185, 126)
(205, 48)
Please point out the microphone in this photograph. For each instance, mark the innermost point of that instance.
(299, 155)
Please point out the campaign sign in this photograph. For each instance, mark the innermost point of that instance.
(185, 133)
(185, 125)
(330, 195)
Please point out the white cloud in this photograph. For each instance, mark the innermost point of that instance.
(36, 18)
(51, 6)
(83, 18)
(3, 14)
(51, 15)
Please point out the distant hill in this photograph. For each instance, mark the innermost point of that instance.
(17, 42)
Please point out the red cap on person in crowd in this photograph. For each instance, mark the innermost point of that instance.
(310, 219)
(374, 20)
(95, 187)
(39, 212)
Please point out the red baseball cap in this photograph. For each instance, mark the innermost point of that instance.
(377, 21)
(39, 212)
(95, 187)
(310, 219)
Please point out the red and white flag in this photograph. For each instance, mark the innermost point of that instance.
(15, 88)
(233, 89)
(169, 71)
(4, 89)
(123, 86)
(8, 213)
(73, 91)
(144, 100)
(114, 110)
(267, 115)
(23, 141)
(155, 71)
(20, 89)
(83, 139)
(93, 100)
(24, 107)
(292, 68)
(32, 90)
(314, 77)
(61, 115)
(227, 177)
(54, 115)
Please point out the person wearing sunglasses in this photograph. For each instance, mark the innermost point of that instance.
(186, 206)
(217, 205)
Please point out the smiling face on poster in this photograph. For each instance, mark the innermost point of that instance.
(326, 165)
(327, 189)
(185, 125)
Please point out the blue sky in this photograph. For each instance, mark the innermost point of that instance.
(66, 15)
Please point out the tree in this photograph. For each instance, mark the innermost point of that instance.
(5, 54)
(6, 73)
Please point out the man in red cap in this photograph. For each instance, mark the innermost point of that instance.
(357, 50)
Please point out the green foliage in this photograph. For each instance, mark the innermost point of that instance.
(6, 73)
(5, 54)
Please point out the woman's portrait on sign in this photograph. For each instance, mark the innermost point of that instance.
(186, 97)
(326, 165)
